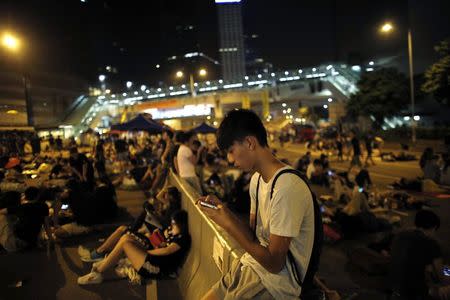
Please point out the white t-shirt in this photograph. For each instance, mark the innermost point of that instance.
(185, 165)
(289, 213)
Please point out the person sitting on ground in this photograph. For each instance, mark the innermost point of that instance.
(145, 259)
(432, 170)
(30, 215)
(155, 215)
(304, 162)
(414, 255)
(316, 174)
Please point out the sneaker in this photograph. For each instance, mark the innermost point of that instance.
(83, 251)
(93, 256)
(121, 271)
(91, 278)
(133, 276)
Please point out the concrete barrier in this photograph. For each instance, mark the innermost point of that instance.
(201, 270)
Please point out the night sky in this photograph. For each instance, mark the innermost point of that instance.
(78, 38)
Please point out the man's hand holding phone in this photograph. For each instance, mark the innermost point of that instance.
(214, 209)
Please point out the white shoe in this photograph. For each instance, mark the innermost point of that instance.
(83, 251)
(121, 271)
(91, 278)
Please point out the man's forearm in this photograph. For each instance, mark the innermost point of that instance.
(244, 236)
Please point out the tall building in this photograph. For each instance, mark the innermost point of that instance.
(232, 52)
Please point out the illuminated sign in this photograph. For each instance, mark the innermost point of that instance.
(227, 1)
(186, 111)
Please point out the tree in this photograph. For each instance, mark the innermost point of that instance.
(437, 77)
(382, 94)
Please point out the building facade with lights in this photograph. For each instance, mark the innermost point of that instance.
(231, 40)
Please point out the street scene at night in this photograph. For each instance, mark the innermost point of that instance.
(225, 149)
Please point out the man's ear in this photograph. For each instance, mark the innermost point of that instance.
(251, 142)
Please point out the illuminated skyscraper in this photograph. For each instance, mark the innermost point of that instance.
(232, 54)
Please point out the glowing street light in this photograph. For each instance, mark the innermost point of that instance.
(10, 42)
(202, 72)
(179, 74)
(129, 84)
(386, 27)
(143, 87)
(101, 78)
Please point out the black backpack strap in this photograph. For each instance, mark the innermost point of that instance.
(318, 234)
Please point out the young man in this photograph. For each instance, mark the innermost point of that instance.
(284, 221)
(356, 159)
(187, 161)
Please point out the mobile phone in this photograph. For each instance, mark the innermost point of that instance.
(361, 189)
(65, 206)
(207, 204)
(446, 271)
(330, 173)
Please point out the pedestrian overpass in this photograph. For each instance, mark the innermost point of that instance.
(312, 86)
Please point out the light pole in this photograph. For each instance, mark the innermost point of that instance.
(13, 44)
(201, 73)
(387, 28)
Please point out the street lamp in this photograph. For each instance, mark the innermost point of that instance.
(101, 78)
(387, 28)
(201, 73)
(129, 84)
(13, 44)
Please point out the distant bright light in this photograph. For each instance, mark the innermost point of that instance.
(369, 69)
(300, 71)
(202, 72)
(356, 68)
(314, 69)
(124, 94)
(286, 73)
(371, 63)
(101, 78)
(284, 111)
(208, 117)
(208, 83)
(179, 74)
(284, 104)
(12, 112)
(330, 100)
(416, 118)
(215, 123)
(129, 84)
(147, 91)
(246, 77)
(289, 110)
(220, 81)
(107, 91)
(183, 86)
(10, 42)
(136, 93)
(158, 66)
(171, 88)
(159, 90)
(325, 106)
(114, 96)
(143, 87)
(272, 74)
(406, 118)
(259, 76)
(387, 27)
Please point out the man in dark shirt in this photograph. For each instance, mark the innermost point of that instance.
(413, 251)
(356, 160)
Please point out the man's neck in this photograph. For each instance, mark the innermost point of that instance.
(267, 164)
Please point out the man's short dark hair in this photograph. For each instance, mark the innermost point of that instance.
(239, 124)
(427, 219)
(187, 136)
(169, 133)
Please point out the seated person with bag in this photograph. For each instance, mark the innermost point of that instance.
(145, 260)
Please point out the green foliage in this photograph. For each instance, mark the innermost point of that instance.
(382, 94)
(437, 77)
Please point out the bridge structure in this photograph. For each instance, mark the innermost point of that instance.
(329, 86)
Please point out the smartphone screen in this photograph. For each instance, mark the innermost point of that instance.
(206, 204)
